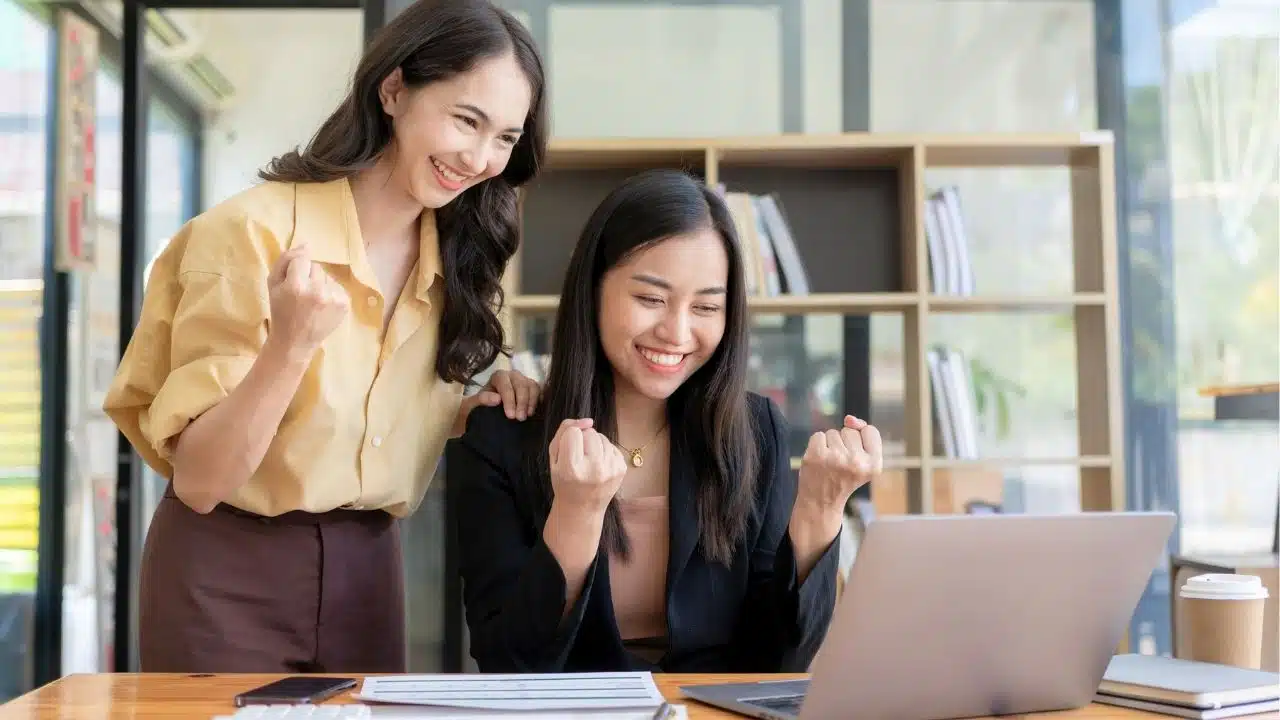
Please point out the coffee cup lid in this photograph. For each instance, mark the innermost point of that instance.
(1224, 586)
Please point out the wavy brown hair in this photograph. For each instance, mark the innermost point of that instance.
(708, 413)
(431, 41)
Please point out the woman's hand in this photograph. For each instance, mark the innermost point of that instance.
(306, 304)
(586, 468)
(836, 463)
(517, 394)
(586, 472)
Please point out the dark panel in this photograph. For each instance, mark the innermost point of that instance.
(1249, 406)
(375, 16)
(846, 222)
(791, 35)
(133, 215)
(555, 210)
(855, 51)
(1129, 37)
(52, 483)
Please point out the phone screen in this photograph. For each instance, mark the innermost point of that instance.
(300, 689)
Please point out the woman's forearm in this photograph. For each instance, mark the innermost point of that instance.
(573, 537)
(220, 450)
(812, 530)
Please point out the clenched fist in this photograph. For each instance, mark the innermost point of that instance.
(837, 462)
(586, 468)
(306, 304)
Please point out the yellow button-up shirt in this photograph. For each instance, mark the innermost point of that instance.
(370, 418)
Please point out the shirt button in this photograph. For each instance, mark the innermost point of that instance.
(377, 441)
(373, 300)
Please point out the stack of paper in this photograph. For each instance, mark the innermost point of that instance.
(586, 692)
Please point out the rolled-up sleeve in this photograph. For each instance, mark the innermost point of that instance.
(197, 336)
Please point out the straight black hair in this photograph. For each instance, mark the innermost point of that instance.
(431, 41)
(707, 416)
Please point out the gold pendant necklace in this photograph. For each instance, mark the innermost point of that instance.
(637, 460)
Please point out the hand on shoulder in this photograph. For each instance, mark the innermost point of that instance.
(517, 394)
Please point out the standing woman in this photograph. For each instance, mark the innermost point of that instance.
(300, 356)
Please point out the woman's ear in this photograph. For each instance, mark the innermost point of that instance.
(391, 92)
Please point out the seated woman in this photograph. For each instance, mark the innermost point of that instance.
(647, 517)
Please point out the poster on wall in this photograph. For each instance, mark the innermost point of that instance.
(76, 219)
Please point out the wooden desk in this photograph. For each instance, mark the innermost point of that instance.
(80, 697)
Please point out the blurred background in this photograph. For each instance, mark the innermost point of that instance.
(1189, 89)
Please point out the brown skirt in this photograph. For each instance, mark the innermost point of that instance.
(231, 591)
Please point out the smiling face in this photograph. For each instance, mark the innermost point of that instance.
(662, 312)
(456, 133)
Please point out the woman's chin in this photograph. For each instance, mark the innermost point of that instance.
(433, 198)
(656, 388)
(430, 195)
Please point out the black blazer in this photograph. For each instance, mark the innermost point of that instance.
(752, 616)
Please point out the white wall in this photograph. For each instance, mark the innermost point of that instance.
(632, 70)
(290, 69)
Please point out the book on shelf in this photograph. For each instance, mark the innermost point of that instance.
(950, 269)
(954, 405)
(770, 258)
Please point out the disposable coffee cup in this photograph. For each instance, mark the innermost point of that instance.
(1224, 614)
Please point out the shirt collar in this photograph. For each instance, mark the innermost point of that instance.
(325, 219)
(429, 261)
(322, 208)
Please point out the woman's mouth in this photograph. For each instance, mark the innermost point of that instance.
(662, 362)
(449, 179)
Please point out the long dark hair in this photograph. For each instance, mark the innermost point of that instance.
(430, 41)
(707, 415)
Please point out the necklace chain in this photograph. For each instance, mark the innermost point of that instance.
(637, 458)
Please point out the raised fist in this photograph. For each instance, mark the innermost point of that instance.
(586, 468)
(837, 462)
(306, 304)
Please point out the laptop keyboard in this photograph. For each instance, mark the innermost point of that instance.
(785, 703)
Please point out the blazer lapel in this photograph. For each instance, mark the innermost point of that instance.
(683, 514)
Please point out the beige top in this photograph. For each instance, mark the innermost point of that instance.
(639, 584)
(370, 418)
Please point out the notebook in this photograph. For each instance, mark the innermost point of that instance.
(1190, 712)
(1187, 683)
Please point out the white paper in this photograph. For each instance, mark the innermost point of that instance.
(517, 691)
(420, 712)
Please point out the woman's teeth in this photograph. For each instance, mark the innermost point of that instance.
(447, 173)
(661, 358)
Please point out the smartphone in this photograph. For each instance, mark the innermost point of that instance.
(297, 690)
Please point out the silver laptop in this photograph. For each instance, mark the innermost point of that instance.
(954, 616)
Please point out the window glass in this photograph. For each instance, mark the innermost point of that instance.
(25, 45)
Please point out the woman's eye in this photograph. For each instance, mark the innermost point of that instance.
(708, 308)
(649, 299)
(470, 122)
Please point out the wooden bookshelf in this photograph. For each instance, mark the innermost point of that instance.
(870, 188)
